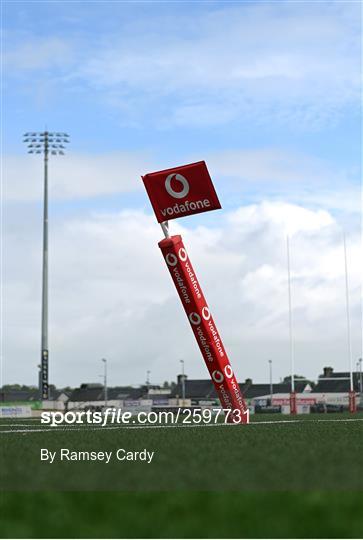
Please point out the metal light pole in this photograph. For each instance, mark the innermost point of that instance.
(360, 378)
(183, 381)
(105, 379)
(46, 143)
(271, 388)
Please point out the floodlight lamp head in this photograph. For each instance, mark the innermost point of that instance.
(46, 142)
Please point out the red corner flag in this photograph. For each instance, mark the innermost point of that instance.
(181, 191)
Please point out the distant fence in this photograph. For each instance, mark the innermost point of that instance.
(13, 411)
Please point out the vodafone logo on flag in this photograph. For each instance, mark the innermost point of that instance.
(177, 194)
(181, 191)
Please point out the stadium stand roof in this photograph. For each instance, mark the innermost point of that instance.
(204, 389)
(126, 392)
(19, 395)
(55, 394)
(327, 384)
(95, 392)
(195, 389)
(156, 397)
(251, 390)
(87, 393)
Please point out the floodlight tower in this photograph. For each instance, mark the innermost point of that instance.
(46, 143)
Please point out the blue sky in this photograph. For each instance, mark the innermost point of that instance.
(268, 93)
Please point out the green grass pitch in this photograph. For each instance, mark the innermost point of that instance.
(269, 479)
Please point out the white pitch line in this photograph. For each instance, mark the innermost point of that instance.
(32, 425)
(307, 421)
(86, 428)
(17, 425)
(143, 426)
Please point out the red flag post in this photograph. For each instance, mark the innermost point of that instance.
(352, 402)
(175, 193)
(204, 328)
(293, 406)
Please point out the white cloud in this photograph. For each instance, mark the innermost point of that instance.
(285, 175)
(270, 164)
(111, 295)
(74, 176)
(290, 219)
